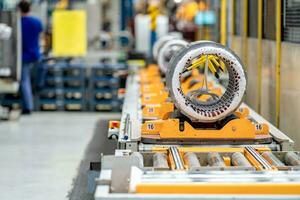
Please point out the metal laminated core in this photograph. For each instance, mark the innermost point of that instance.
(168, 50)
(238, 159)
(214, 159)
(292, 159)
(225, 104)
(192, 160)
(272, 159)
(160, 42)
(160, 160)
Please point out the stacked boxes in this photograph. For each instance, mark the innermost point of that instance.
(75, 87)
(50, 97)
(103, 87)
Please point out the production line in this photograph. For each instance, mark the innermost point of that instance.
(185, 133)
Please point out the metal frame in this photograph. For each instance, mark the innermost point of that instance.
(131, 129)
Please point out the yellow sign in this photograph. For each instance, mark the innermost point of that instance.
(69, 33)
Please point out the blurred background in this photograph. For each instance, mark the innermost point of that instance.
(63, 64)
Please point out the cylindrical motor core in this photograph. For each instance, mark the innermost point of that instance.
(221, 106)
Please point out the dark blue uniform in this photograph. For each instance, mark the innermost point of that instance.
(31, 29)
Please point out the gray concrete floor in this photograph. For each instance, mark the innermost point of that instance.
(40, 154)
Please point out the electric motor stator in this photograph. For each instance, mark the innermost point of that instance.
(217, 108)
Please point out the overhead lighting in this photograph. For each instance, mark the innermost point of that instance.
(177, 1)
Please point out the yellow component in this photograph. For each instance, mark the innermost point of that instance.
(211, 62)
(152, 88)
(153, 12)
(160, 149)
(204, 149)
(213, 59)
(150, 80)
(232, 22)
(259, 53)
(197, 63)
(137, 62)
(158, 111)
(234, 129)
(227, 161)
(242, 112)
(245, 33)
(113, 124)
(278, 60)
(69, 33)
(210, 149)
(220, 188)
(262, 149)
(153, 67)
(148, 74)
(154, 98)
(211, 67)
(150, 70)
(222, 65)
(62, 4)
(223, 20)
(145, 74)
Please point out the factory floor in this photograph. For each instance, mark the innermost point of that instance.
(41, 154)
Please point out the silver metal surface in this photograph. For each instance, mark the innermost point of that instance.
(272, 159)
(10, 53)
(131, 120)
(160, 160)
(290, 90)
(192, 160)
(120, 167)
(292, 159)
(238, 159)
(259, 158)
(285, 142)
(176, 157)
(140, 157)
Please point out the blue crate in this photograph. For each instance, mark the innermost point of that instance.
(50, 93)
(49, 104)
(105, 105)
(105, 82)
(107, 69)
(74, 82)
(11, 102)
(74, 93)
(74, 104)
(74, 71)
(51, 81)
(104, 93)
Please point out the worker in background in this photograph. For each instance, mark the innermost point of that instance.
(31, 30)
